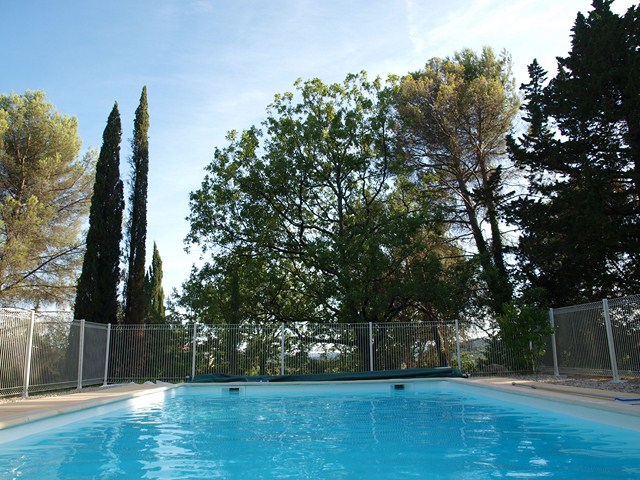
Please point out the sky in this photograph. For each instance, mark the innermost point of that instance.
(211, 66)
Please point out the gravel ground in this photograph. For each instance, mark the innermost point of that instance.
(600, 383)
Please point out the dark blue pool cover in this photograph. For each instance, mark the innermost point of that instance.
(440, 372)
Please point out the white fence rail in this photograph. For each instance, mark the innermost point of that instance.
(600, 338)
(40, 352)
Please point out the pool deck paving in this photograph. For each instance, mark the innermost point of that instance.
(613, 401)
(38, 407)
(24, 410)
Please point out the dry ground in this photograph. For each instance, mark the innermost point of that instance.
(630, 385)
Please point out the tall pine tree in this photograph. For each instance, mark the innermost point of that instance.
(454, 116)
(97, 291)
(580, 220)
(135, 305)
(155, 292)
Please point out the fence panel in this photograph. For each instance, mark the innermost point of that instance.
(14, 339)
(326, 348)
(625, 324)
(488, 353)
(250, 349)
(149, 352)
(414, 345)
(95, 349)
(581, 339)
(56, 341)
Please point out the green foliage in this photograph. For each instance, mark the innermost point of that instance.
(581, 156)
(468, 363)
(97, 292)
(454, 115)
(44, 199)
(314, 216)
(135, 307)
(523, 334)
(154, 293)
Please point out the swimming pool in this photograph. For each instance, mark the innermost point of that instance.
(422, 429)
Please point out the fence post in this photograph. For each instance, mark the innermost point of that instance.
(106, 355)
(282, 348)
(612, 350)
(458, 345)
(193, 355)
(371, 346)
(554, 350)
(80, 354)
(533, 363)
(27, 357)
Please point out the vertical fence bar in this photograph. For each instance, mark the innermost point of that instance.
(80, 354)
(533, 363)
(371, 346)
(193, 356)
(612, 350)
(554, 348)
(458, 345)
(106, 355)
(27, 354)
(282, 348)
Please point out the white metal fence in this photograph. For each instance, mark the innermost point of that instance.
(47, 351)
(171, 353)
(600, 338)
(41, 352)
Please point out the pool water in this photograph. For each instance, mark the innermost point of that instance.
(442, 432)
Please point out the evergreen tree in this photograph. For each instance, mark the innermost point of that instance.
(455, 114)
(97, 292)
(155, 292)
(580, 219)
(45, 195)
(135, 306)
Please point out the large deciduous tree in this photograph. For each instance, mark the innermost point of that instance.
(97, 292)
(135, 302)
(45, 190)
(580, 218)
(455, 114)
(312, 219)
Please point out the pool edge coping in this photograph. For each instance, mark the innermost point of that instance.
(50, 407)
(586, 397)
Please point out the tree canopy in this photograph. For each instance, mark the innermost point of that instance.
(315, 218)
(455, 114)
(45, 189)
(580, 216)
(135, 305)
(153, 291)
(97, 292)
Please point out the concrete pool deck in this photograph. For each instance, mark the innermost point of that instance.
(29, 409)
(24, 410)
(613, 401)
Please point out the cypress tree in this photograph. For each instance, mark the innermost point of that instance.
(97, 291)
(155, 292)
(580, 219)
(135, 305)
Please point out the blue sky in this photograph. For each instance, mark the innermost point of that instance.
(214, 65)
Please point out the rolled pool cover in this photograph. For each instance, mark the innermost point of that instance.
(439, 372)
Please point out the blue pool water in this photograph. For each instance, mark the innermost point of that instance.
(439, 431)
